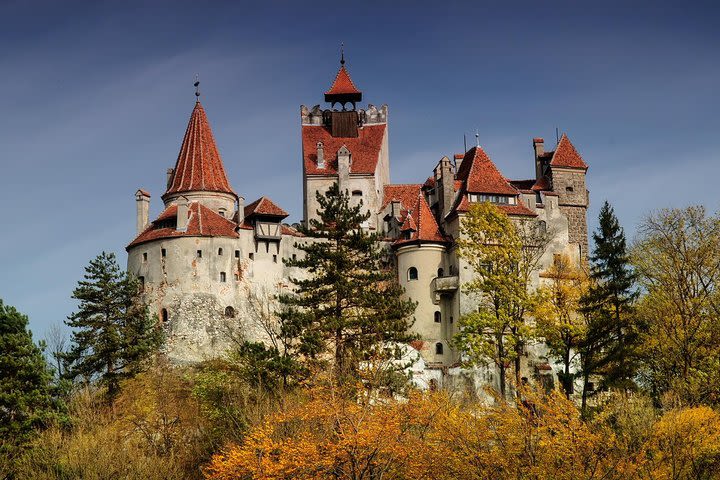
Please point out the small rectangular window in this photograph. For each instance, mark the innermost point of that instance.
(199, 253)
(222, 276)
(163, 252)
(274, 258)
(219, 251)
(294, 257)
(237, 253)
(252, 256)
(144, 256)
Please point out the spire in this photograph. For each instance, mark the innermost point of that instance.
(343, 90)
(199, 166)
(566, 155)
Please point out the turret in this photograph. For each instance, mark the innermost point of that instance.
(199, 174)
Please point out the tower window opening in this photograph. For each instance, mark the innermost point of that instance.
(543, 227)
(412, 273)
(252, 256)
(141, 284)
(274, 258)
(441, 272)
(164, 315)
(294, 257)
(569, 189)
(163, 252)
(219, 251)
(199, 254)
(451, 319)
(222, 277)
(438, 317)
(438, 348)
(357, 193)
(144, 256)
(237, 253)
(229, 312)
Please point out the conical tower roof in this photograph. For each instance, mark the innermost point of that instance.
(199, 166)
(566, 155)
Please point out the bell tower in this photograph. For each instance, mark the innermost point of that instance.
(344, 144)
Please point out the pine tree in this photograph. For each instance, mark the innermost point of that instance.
(350, 305)
(608, 305)
(113, 333)
(26, 383)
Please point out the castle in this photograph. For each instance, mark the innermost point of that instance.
(209, 262)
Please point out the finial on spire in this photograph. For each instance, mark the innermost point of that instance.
(342, 53)
(477, 138)
(197, 87)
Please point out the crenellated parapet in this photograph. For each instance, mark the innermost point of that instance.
(372, 115)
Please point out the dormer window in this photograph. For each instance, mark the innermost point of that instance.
(222, 212)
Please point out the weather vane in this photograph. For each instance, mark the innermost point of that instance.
(477, 138)
(197, 87)
(342, 53)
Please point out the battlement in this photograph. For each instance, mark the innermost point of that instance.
(372, 115)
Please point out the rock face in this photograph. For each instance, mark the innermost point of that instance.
(212, 267)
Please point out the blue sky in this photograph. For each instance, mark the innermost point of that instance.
(96, 97)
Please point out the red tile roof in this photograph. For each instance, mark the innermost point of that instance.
(364, 150)
(199, 166)
(430, 182)
(264, 206)
(143, 192)
(518, 210)
(480, 174)
(343, 84)
(409, 223)
(406, 194)
(541, 184)
(421, 221)
(566, 155)
(202, 222)
(287, 230)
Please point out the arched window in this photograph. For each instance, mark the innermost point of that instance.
(543, 227)
(229, 312)
(441, 272)
(164, 315)
(438, 317)
(412, 273)
(219, 251)
(438, 348)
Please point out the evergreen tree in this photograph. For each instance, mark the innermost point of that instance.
(350, 305)
(113, 333)
(26, 388)
(608, 305)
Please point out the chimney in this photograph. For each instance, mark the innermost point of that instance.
(183, 211)
(241, 210)
(446, 188)
(142, 201)
(170, 172)
(320, 155)
(539, 148)
(343, 168)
